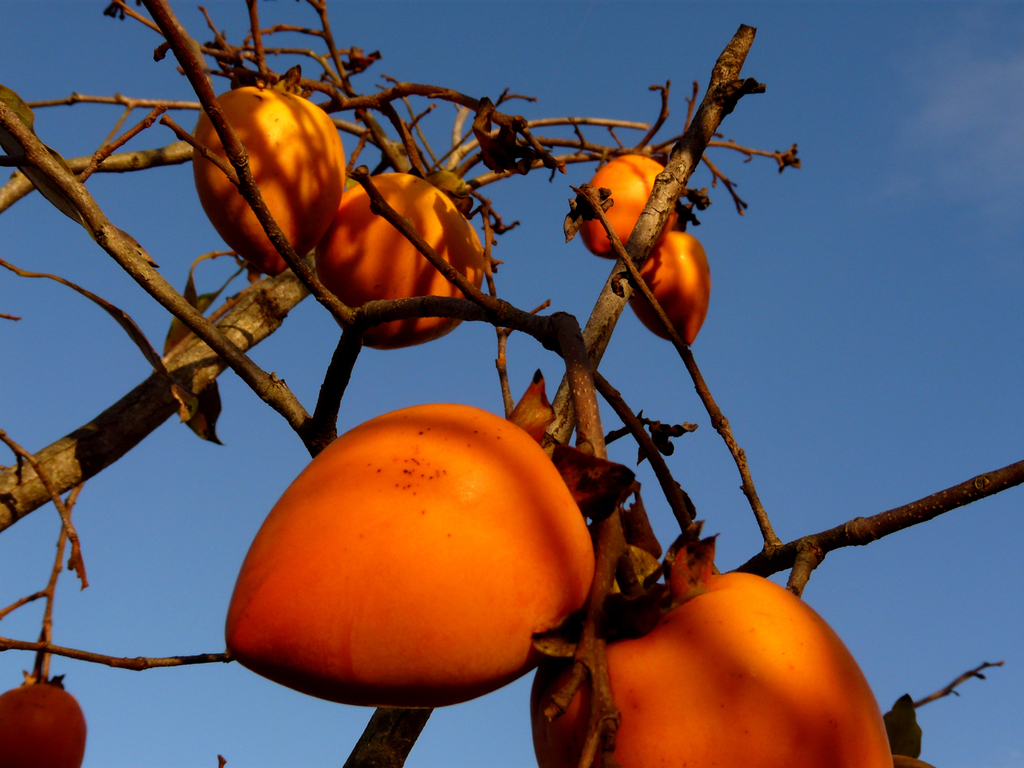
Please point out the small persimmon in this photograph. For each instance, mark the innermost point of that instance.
(630, 179)
(362, 257)
(744, 674)
(41, 726)
(678, 275)
(297, 160)
(411, 562)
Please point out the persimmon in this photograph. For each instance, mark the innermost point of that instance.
(630, 179)
(745, 674)
(678, 275)
(363, 257)
(297, 161)
(41, 726)
(410, 563)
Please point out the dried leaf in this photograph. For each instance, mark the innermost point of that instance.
(627, 617)
(596, 484)
(692, 568)
(502, 152)
(638, 530)
(901, 725)
(533, 413)
(204, 420)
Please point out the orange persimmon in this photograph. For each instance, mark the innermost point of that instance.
(742, 675)
(630, 179)
(363, 257)
(41, 726)
(678, 275)
(411, 562)
(297, 160)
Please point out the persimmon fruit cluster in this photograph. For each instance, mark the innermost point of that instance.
(41, 726)
(411, 562)
(743, 674)
(297, 161)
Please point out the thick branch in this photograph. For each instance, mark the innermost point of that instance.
(388, 738)
(864, 530)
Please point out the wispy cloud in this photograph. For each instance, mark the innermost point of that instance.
(962, 136)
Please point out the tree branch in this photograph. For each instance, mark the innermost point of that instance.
(864, 530)
(137, 663)
(95, 446)
(173, 154)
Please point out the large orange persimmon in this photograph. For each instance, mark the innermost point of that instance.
(630, 179)
(678, 275)
(41, 726)
(743, 675)
(297, 161)
(363, 258)
(411, 562)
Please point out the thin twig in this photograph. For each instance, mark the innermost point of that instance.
(76, 562)
(107, 150)
(673, 492)
(976, 672)
(137, 663)
(718, 419)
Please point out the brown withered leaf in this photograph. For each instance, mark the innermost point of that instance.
(662, 434)
(502, 152)
(204, 420)
(596, 484)
(636, 570)
(627, 617)
(692, 568)
(201, 302)
(533, 413)
(358, 61)
(638, 530)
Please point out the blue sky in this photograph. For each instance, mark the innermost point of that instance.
(865, 339)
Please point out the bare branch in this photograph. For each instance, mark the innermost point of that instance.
(94, 446)
(137, 663)
(864, 530)
(173, 154)
(976, 672)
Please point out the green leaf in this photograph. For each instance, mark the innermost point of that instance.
(901, 725)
